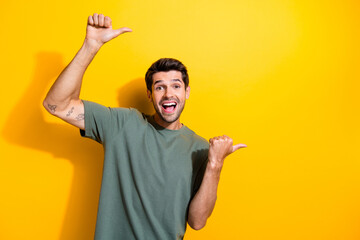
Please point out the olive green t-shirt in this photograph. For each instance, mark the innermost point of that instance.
(150, 174)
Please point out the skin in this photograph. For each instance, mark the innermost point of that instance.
(203, 203)
(168, 87)
(63, 101)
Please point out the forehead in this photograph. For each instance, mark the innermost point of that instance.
(167, 76)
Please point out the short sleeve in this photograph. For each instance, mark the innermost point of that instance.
(200, 170)
(101, 122)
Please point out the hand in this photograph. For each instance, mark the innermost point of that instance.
(220, 148)
(99, 29)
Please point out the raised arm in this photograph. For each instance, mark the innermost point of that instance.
(62, 100)
(203, 203)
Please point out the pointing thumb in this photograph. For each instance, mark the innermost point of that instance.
(119, 31)
(238, 146)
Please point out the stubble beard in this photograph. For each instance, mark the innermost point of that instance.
(174, 117)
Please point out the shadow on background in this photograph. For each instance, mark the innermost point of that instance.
(133, 94)
(63, 141)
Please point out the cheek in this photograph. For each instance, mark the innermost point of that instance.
(156, 98)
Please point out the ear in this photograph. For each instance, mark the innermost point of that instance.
(149, 95)
(187, 92)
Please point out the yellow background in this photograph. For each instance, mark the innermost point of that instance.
(281, 76)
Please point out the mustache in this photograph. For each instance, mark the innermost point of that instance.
(170, 99)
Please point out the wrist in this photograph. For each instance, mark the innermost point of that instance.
(214, 167)
(92, 45)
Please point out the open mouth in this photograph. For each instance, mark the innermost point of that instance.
(169, 107)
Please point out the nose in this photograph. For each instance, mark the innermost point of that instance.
(168, 93)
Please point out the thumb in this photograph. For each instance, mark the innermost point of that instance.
(119, 31)
(238, 146)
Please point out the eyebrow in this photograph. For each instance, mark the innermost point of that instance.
(173, 80)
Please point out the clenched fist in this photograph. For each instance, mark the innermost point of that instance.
(99, 29)
(220, 148)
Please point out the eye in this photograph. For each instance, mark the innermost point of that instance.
(177, 86)
(158, 88)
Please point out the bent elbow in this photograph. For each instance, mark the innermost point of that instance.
(50, 108)
(197, 228)
(197, 225)
(44, 103)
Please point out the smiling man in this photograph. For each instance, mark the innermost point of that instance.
(158, 174)
(169, 79)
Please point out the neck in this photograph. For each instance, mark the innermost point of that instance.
(171, 126)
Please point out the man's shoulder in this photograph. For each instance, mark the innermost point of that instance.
(116, 114)
(133, 115)
(90, 105)
(126, 110)
(202, 142)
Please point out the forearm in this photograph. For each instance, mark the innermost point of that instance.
(67, 86)
(204, 200)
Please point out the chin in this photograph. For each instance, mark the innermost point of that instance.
(169, 119)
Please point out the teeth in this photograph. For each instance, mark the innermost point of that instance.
(169, 104)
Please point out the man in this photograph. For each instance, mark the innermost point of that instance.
(158, 174)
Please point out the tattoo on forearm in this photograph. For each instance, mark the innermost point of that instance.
(70, 112)
(80, 117)
(52, 107)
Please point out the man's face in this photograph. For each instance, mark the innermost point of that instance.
(168, 96)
